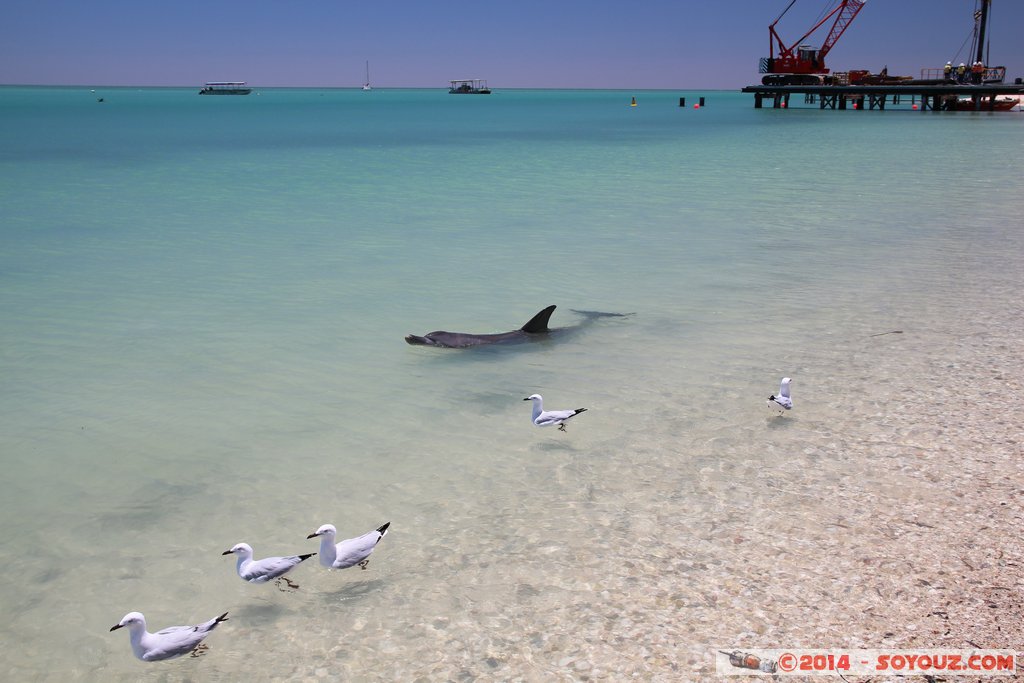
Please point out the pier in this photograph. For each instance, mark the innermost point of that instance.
(933, 97)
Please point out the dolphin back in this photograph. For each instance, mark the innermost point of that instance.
(462, 340)
(535, 328)
(538, 324)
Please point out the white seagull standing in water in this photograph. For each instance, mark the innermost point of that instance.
(782, 401)
(349, 552)
(168, 643)
(267, 569)
(546, 418)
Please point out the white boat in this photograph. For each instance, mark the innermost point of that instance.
(225, 88)
(469, 86)
(366, 85)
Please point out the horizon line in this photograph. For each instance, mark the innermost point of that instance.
(359, 87)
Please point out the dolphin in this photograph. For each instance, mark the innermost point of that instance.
(535, 329)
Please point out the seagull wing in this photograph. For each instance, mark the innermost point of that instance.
(173, 641)
(354, 550)
(553, 417)
(270, 568)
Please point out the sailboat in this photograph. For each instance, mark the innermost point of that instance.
(366, 85)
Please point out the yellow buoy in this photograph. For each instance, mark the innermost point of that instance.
(633, 103)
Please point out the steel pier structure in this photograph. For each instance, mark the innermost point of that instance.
(941, 97)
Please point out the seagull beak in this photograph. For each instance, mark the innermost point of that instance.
(313, 535)
(227, 552)
(526, 399)
(116, 626)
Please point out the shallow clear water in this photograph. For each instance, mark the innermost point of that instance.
(202, 310)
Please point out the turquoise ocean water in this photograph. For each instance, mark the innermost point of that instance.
(202, 309)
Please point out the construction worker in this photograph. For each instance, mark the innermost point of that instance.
(948, 71)
(961, 73)
(977, 69)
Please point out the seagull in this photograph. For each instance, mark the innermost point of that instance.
(261, 571)
(782, 401)
(169, 643)
(546, 418)
(349, 552)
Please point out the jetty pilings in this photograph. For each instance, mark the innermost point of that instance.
(932, 97)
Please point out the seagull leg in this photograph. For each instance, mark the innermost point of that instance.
(561, 427)
(199, 650)
(362, 565)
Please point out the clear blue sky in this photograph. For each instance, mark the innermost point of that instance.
(678, 44)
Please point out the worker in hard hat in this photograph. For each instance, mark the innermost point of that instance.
(961, 72)
(948, 71)
(977, 71)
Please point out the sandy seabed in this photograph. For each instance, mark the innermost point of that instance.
(893, 522)
(883, 512)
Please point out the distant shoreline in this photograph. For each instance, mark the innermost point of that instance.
(356, 87)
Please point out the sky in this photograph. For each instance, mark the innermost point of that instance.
(629, 44)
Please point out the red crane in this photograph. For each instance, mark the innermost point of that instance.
(799, 64)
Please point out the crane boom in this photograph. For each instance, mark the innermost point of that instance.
(800, 59)
(982, 16)
(847, 11)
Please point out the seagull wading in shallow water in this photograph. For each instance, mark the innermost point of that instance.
(782, 401)
(349, 552)
(267, 569)
(168, 643)
(546, 418)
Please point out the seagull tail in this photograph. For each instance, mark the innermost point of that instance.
(303, 558)
(210, 625)
(383, 529)
(579, 410)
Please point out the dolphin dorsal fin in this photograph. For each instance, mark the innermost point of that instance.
(539, 323)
